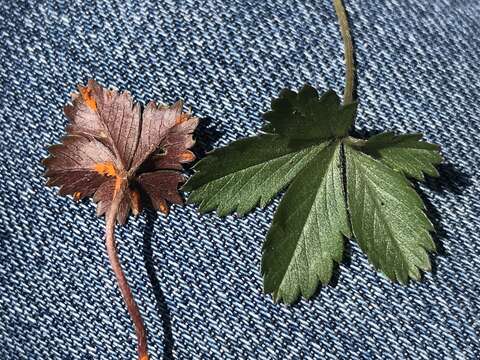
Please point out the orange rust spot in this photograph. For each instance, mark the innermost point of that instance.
(144, 357)
(163, 207)
(135, 202)
(88, 98)
(77, 195)
(186, 156)
(106, 168)
(182, 118)
(118, 184)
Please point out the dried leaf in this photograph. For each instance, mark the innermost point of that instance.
(111, 141)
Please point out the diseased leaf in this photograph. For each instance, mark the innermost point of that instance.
(162, 186)
(405, 153)
(79, 165)
(305, 238)
(247, 172)
(334, 183)
(107, 115)
(122, 156)
(111, 141)
(387, 217)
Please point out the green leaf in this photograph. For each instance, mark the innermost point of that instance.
(239, 176)
(337, 186)
(387, 217)
(305, 238)
(405, 153)
(305, 116)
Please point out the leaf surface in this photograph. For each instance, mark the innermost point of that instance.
(387, 217)
(306, 236)
(112, 141)
(107, 115)
(305, 116)
(337, 186)
(79, 165)
(247, 172)
(405, 153)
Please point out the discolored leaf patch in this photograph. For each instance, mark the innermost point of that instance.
(111, 141)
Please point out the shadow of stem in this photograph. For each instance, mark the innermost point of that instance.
(161, 303)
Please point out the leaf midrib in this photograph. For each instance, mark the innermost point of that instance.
(402, 250)
(301, 237)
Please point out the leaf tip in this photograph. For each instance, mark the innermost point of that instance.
(86, 93)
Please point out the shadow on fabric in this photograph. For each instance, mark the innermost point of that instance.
(206, 135)
(450, 180)
(161, 304)
(208, 132)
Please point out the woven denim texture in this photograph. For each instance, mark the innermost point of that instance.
(197, 278)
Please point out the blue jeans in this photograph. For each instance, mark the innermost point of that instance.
(197, 278)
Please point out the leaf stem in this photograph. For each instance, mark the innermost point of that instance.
(121, 279)
(348, 45)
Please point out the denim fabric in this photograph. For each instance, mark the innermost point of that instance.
(197, 278)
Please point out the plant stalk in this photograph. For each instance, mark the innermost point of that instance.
(348, 45)
(121, 279)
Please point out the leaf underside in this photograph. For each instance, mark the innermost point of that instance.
(336, 187)
(111, 142)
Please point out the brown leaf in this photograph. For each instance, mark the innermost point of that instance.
(111, 141)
